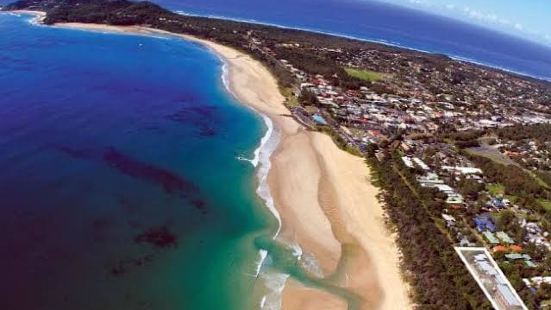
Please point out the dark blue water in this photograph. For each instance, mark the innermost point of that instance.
(120, 183)
(385, 23)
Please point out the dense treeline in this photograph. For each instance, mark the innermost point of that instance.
(463, 139)
(545, 176)
(516, 180)
(438, 277)
(537, 132)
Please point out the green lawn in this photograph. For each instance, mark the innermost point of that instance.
(512, 199)
(291, 100)
(538, 179)
(546, 204)
(495, 189)
(366, 75)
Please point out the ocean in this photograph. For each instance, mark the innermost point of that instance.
(384, 23)
(127, 177)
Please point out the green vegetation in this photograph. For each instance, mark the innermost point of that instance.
(366, 75)
(537, 132)
(545, 176)
(428, 253)
(515, 180)
(308, 98)
(291, 100)
(516, 184)
(538, 179)
(496, 189)
(512, 198)
(546, 204)
(490, 153)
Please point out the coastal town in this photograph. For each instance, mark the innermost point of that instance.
(441, 123)
(477, 210)
(449, 141)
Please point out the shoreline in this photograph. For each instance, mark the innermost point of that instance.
(329, 210)
(377, 41)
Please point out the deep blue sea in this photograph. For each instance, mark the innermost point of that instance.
(375, 21)
(120, 183)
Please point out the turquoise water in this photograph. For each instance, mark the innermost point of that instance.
(122, 185)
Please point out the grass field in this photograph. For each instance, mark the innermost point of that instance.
(291, 100)
(545, 204)
(495, 189)
(491, 153)
(366, 75)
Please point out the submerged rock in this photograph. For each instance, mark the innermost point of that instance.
(159, 237)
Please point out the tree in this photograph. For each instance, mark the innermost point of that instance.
(308, 98)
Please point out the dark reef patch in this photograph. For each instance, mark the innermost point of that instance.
(77, 153)
(122, 267)
(200, 205)
(201, 117)
(171, 182)
(137, 169)
(159, 237)
(207, 132)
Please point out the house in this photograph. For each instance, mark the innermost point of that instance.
(407, 161)
(498, 203)
(524, 257)
(506, 297)
(464, 242)
(463, 170)
(517, 256)
(421, 164)
(429, 180)
(448, 218)
(504, 237)
(536, 281)
(454, 199)
(484, 222)
(490, 237)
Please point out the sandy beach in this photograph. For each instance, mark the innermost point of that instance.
(324, 196)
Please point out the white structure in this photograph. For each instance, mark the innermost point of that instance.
(536, 281)
(490, 278)
(421, 164)
(407, 161)
(463, 170)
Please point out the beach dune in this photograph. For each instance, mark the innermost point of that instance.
(327, 203)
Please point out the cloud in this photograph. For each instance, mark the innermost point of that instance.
(481, 17)
(484, 15)
(492, 17)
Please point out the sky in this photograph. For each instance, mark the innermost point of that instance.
(530, 19)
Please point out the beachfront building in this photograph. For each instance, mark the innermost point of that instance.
(490, 278)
